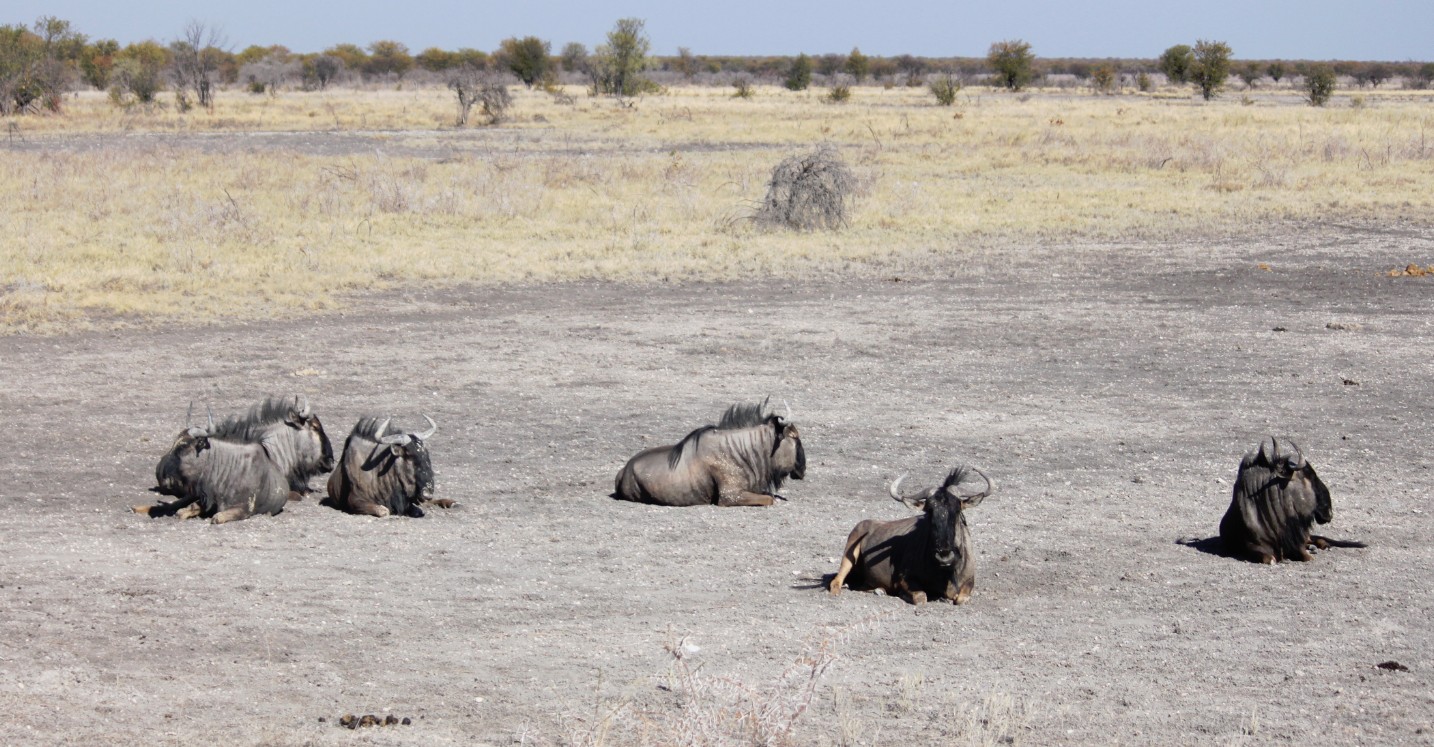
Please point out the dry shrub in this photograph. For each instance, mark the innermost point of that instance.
(809, 191)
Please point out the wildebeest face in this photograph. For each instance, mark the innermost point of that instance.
(1292, 469)
(945, 522)
(789, 458)
(409, 465)
(313, 430)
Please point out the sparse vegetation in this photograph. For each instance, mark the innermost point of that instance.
(743, 87)
(474, 85)
(547, 217)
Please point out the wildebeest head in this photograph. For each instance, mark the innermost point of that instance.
(789, 459)
(944, 506)
(307, 423)
(1289, 464)
(167, 474)
(405, 456)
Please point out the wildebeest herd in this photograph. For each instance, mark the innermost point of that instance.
(255, 463)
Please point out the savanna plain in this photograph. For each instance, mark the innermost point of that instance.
(1101, 301)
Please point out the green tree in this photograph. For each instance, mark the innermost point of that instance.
(1211, 67)
(617, 65)
(799, 75)
(139, 73)
(574, 57)
(1276, 70)
(1251, 73)
(1102, 77)
(685, 64)
(97, 62)
(1013, 63)
(1175, 62)
(387, 56)
(352, 55)
(1319, 84)
(857, 65)
(529, 58)
(37, 67)
(435, 59)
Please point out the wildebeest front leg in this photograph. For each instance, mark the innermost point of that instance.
(914, 597)
(165, 509)
(849, 557)
(744, 498)
(230, 514)
(443, 502)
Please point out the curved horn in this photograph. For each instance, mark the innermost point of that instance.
(195, 431)
(1299, 455)
(894, 489)
(210, 410)
(189, 414)
(378, 432)
(432, 426)
(789, 410)
(401, 439)
(990, 485)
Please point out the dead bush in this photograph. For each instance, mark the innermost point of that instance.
(809, 191)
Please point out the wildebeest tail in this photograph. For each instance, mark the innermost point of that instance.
(1331, 542)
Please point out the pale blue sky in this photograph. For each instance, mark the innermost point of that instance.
(1290, 29)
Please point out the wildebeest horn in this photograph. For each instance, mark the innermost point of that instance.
(1299, 456)
(195, 431)
(210, 410)
(432, 426)
(990, 485)
(378, 432)
(789, 410)
(895, 490)
(189, 414)
(401, 439)
(302, 402)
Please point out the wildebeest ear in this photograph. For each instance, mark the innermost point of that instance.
(972, 501)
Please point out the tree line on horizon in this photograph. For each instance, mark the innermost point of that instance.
(41, 62)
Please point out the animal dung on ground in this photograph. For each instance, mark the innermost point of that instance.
(1392, 666)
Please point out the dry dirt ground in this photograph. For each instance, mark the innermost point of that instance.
(1110, 391)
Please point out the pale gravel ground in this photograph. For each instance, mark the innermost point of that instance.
(1110, 390)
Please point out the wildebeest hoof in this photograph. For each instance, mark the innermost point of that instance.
(141, 510)
(444, 502)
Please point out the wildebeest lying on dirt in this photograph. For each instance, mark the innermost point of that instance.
(741, 461)
(1277, 497)
(384, 474)
(227, 480)
(923, 556)
(295, 440)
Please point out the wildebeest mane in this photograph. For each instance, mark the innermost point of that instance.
(744, 416)
(250, 425)
(675, 455)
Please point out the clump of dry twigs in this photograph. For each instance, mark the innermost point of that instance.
(809, 191)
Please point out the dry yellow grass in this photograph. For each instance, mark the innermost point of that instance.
(111, 215)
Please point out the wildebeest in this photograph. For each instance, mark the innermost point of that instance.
(294, 435)
(384, 474)
(741, 461)
(923, 556)
(223, 480)
(1277, 497)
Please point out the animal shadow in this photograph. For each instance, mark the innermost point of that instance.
(1210, 545)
